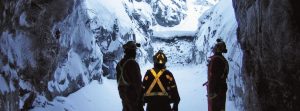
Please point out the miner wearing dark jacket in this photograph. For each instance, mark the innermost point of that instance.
(217, 74)
(159, 86)
(129, 79)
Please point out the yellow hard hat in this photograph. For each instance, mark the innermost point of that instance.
(160, 57)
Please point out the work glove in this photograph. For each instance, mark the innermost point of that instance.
(175, 107)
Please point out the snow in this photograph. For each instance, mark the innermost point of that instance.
(105, 14)
(178, 52)
(166, 2)
(6, 86)
(114, 45)
(72, 68)
(17, 48)
(218, 22)
(3, 87)
(23, 99)
(22, 20)
(140, 38)
(143, 9)
(25, 85)
(105, 97)
(93, 97)
(78, 48)
(187, 27)
(106, 11)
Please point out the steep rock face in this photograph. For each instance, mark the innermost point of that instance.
(269, 35)
(116, 22)
(179, 51)
(168, 12)
(41, 45)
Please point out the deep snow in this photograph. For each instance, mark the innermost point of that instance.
(105, 97)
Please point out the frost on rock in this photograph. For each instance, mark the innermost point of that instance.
(4, 86)
(115, 22)
(16, 56)
(168, 12)
(36, 38)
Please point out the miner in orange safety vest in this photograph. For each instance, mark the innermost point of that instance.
(217, 74)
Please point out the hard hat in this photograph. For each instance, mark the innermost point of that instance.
(160, 57)
(131, 45)
(220, 47)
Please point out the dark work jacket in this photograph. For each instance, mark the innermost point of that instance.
(132, 75)
(217, 74)
(169, 84)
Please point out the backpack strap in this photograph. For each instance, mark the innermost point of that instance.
(121, 79)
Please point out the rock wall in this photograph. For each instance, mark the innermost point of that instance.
(268, 31)
(46, 50)
(168, 13)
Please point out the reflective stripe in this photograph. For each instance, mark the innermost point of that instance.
(121, 80)
(173, 86)
(156, 80)
(169, 77)
(157, 94)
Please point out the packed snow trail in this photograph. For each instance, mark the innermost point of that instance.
(105, 97)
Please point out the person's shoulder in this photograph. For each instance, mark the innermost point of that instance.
(217, 58)
(120, 63)
(151, 69)
(131, 62)
(148, 71)
(168, 71)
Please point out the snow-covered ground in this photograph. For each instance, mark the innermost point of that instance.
(105, 97)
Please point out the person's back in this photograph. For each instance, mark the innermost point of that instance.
(129, 79)
(217, 74)
(218, 68)
(160, 87)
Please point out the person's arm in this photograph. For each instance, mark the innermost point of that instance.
(135, 73)
(134, 77)
(145, 84)
(173, 91)
(146, 81)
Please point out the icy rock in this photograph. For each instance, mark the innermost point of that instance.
(269, 35)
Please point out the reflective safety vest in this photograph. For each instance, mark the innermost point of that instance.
(158, 82)
(121, 79)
